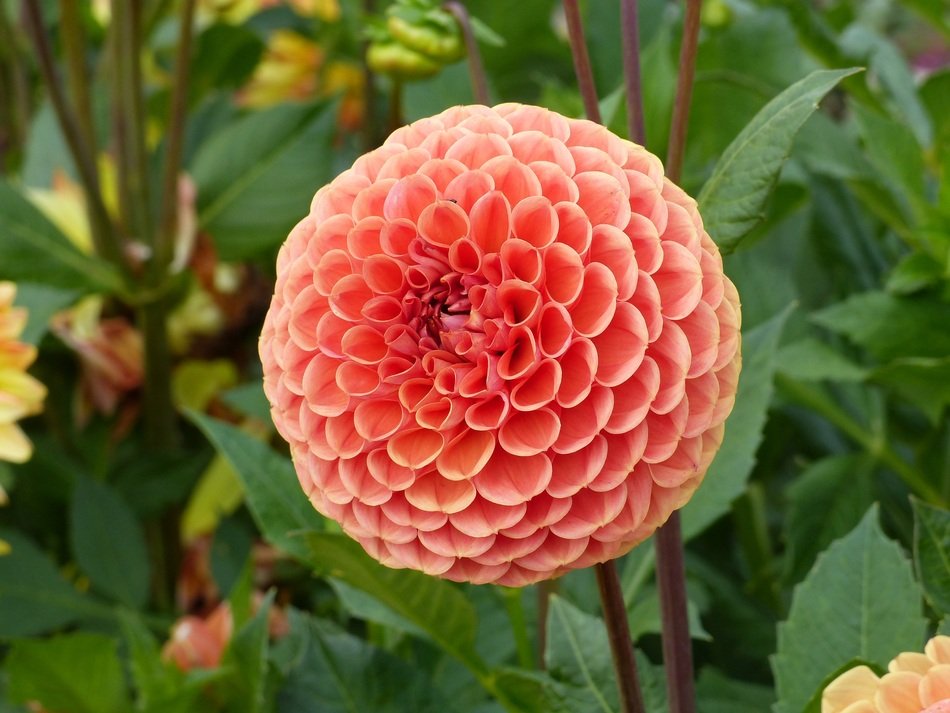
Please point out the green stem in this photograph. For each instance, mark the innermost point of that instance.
(816, 400)
(545, 590)
(165, 239)
(160, 421)
(74, 47)
(13, 112)
(476, 68)
(519, 626)
(105, 240)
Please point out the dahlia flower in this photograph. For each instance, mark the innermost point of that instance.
(501, 346)
(914, 683)
(20, 394)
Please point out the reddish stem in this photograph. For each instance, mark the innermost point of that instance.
(582, 68)
(476, 67)
(684, 91)
(631, 70)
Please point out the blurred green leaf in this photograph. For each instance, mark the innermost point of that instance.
(932, 553)
(434, 606)
(41, 303)
(249, 399)
(34, 250)
(914, 272)
(810, 359)
(924, 382)
(860, 600)
(826, 501)
(78, 673)
(726, 478)
(578, 655)
(715, 693)
(346, 674)
(271, 487)
(733, 199)
(230, 551)
(828, 148)
(890, 327)
(108, 543)
(225, 56)
(246, 656)
(34, 598)
(256, 176)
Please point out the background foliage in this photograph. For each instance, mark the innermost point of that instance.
(820, 539)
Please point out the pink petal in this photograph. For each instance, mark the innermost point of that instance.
(574, 227)
(483, 518)
(375, 522)
(671, 354)
(466, 189)
(554, 553)
(539, 388)
(578, 366)
(377, 419)
(490, 219)
(409, 197)
(449, 542)
(387, 473)
(465, 455)
(402, 512)
(515, 180)
(415, 448)
(434, 493)
(474, 150)
(356, 479)
(556, 185)
(611, 247)
(357, 379)
(679, 280)
(520, 356)
(416, 556)
(589, 512)
(563, 274)
(554, 330)
(572, 471)
(633, 397)
(343, 437)
(595, 305)
(488, 414)
(383, 274)
(443, 223)
(603, 198)
(510, 480)
(621, 345)
(542, 510)
(527, 433)
(535, 221)
(506, 549)
(580, 424)
(520, 261)
(320, 389)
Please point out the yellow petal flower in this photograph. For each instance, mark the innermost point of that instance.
(858, 684)
(20, 394)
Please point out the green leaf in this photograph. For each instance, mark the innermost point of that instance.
(932, 553)
(230, 551)
(348, 675)
(41, 302)
(247, 655)
(34, 598)
(79, 673)
(860, 600)
(108, 543)
(578, 655)
(715, 693)
(914, 272)
(271, 487)
(644, 617)
(925, 382)
(729, 472)
(810, 359)
(256, 177)
(434, 606)
(733, 198)
(826, 501)
(890, 327)
(156, 683)
(249, 399)
(34, 250)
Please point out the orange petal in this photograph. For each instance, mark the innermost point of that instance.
(572, 471)
(383, 274)
(646, 298)
(520, 356)
(935, 686)
(374, 521)
(409, 197)
(679, 280)
(555, 552)
(578, 366)
(402, 512)
(633, 397)
(594, 307)
(682, 465)
(467, 188)
(664, 432)
(416, 556)
(378, 419)
(442, 223)
(370, 201)
(589, 512)
(465, 455)
(389, 474)
(702, 394)
(343, 437)
(506, 549)
(474, 150)
(527, 433)
(450, 542)
(465, 570)
(574, 227)
(442, 172)
(542, 510)
(515, 180)
(357, 480)
(490, 219)
(531, 146)
(415, 448)
(403, 164)
(434, 493)
(554, 329)
(539, 388)
(489, 413)
(563, 274)
(603, 198)
(520, 261)
(357, 379)
(671, 354)
(580, 424)
(483, 518)
(556, 185)
(510, 480)
(320, 388)
(621, 346)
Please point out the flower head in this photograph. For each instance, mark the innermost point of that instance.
(20, 394)
(501, 346)
(914, 683)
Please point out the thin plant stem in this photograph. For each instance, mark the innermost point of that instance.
(165, 239)
(105, 240)
(476, 67)
(13, 121)
(519, 625)
(684, 91)
(582, 68)
(545, 589)
(618, 631)
(630, 28)
(670, 567)
(371, 132)
(395, 106)
(127, 31)
(677, 646)
(74, 47)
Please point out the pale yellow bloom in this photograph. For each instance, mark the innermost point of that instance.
(20, 394)
(238, 11)
(288, 71)
(914, 683)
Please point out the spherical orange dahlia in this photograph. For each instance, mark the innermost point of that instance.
(914, 683)
(501, 346)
